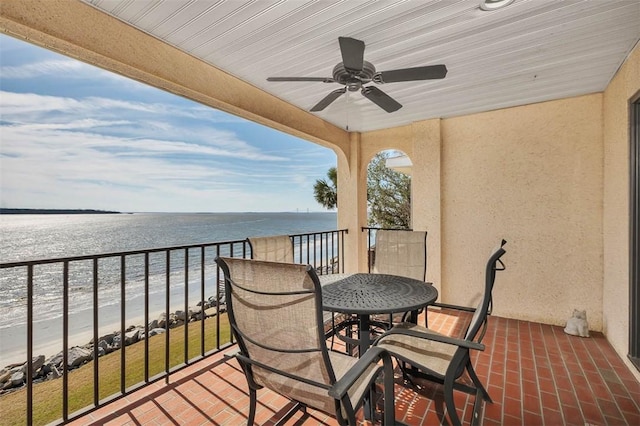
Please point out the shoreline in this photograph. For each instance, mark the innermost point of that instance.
(48, 336)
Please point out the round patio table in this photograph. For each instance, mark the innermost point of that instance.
(369, 294)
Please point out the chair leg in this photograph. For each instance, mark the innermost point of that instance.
(293, 410)
(475, 415)
(448, 399)
(478, 383)
(372, 403)
(253, 397)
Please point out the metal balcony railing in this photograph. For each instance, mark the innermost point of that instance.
(163, 279)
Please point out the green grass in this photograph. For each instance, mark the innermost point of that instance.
(47, 396)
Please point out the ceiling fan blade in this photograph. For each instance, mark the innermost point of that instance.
(431, 72)
(322, 79)
(380, 98)
(327, 100)
(352, 53)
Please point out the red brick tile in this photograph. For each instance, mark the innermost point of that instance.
(512, 407)
(564, 383)
(532, 405)
(631, 418)
(592, 413)
(531, 419)
(493, 411)
(546, 385)
(552, 418)
(628, 405)
(510, 420)
(572, 416)
(485, 422)
(550, 401)
(529, 374)
(567, 398)
(609, 408)
(530, 389)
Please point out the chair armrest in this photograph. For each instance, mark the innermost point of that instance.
(371, 356)
(435, 337)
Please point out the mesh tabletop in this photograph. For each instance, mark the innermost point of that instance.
(377, 294)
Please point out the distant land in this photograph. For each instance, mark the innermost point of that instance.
(55, 211)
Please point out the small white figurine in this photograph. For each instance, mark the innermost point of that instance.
(577, 325)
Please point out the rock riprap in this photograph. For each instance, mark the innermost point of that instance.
(14, 376)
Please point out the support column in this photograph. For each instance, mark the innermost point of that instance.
(352, 204)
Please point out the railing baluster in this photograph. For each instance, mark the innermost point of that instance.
(146, 317)
(217, 300)
(123, 319)
(167, 354)
(65, 341)
(202, 279)
(96, 371)
(186, 306)
(30, 344)
(315, 250)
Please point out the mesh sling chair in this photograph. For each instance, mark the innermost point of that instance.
(444, 359)
(277, 248)
(401, 253)
(275, 311)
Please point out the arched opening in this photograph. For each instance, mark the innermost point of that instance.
(389, 190)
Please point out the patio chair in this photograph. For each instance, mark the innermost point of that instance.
(278, 248)
(401, 253)
(444, 359)
(275, 311)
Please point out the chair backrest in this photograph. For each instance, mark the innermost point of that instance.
(479, 319)
(275, 311)
(401, 253)
(277, 248)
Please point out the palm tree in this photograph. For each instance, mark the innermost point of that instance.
(326, 193)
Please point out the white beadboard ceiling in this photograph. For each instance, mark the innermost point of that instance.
(530, 51)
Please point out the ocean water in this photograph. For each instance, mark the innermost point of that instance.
(36, 237)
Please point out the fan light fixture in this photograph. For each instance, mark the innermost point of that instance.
(490, 5)
(354, 72)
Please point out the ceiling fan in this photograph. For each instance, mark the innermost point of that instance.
(354, 72)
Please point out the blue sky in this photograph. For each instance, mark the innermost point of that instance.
(76, 136)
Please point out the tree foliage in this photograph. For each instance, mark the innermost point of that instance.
(326, 193)
(388, 194)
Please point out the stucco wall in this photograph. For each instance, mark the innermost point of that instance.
(531, 175)
(615, 305)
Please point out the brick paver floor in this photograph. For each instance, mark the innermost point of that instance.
(535, 374)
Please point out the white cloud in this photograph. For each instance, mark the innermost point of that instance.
(129, 153)
(39, 69)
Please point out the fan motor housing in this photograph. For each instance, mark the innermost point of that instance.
(354, 80)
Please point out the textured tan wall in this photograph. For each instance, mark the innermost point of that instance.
(616, 204)
(426, 192)
(531, 175)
